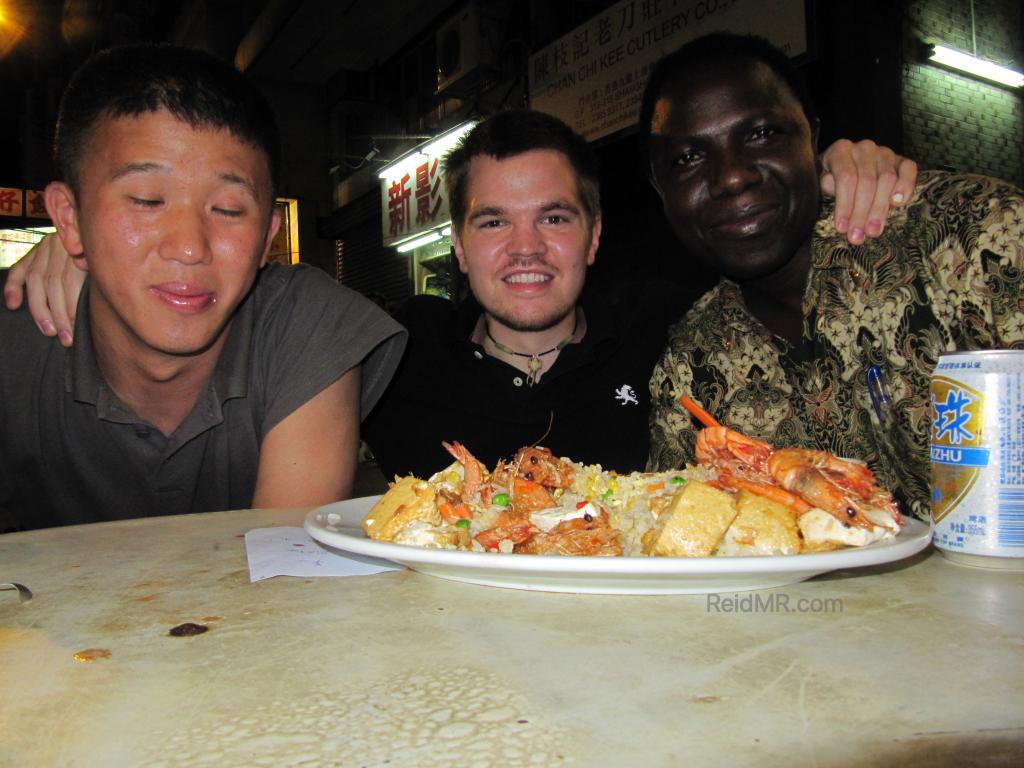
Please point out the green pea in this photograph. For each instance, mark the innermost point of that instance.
(500, 499)
(606, 495)
(463, 523)
(678, 480)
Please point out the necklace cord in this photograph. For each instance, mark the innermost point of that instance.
(535, 363)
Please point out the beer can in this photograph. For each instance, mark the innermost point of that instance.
(977, 458)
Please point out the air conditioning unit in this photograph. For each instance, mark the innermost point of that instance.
(465, 49)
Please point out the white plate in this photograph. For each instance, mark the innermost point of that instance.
(338, 525)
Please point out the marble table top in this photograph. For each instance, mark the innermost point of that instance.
(919, 662)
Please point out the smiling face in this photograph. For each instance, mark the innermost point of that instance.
(526, 243)
(173, 224)
(732, 156)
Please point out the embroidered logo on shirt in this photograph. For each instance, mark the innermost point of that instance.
(626, 394)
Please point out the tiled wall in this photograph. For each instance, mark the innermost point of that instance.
(957, 121)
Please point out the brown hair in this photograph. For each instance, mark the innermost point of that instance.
(512, 133)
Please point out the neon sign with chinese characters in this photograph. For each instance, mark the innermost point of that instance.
(412, 190)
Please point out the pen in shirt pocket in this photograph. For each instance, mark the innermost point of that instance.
(881, 401)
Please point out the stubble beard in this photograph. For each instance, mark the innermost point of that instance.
(509, 319)
(530, 326)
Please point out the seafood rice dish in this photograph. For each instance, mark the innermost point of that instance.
(743, 497)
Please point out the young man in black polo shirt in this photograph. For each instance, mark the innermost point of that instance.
(533, 356)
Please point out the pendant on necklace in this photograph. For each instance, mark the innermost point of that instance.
(534, 365)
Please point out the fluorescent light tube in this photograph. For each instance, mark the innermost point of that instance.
(430, 237)
(972, 65)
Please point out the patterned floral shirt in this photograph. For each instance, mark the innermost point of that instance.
(945, 275)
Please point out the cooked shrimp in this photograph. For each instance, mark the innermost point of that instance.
(728, 449)
(528, 496)
(742, 463)
(510, 526)
(472, 470)
(800, 478)
(768, 490)
(588, 535)
(541, 466)
(843, 488)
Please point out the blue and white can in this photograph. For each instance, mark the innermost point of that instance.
(977, 458)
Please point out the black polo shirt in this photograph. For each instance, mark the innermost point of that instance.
(592, 405)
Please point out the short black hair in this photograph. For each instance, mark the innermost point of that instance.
(194, 86)
(513, 132)
(720, 47)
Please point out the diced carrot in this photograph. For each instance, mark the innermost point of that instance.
(452, 513)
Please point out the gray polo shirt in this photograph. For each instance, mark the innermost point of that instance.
(71, 452)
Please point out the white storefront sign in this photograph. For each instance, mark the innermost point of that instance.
(413, 199)
(593, 77)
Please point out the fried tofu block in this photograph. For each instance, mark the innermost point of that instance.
(761, 527)
(408, 499)
(821, 532)
(423, 534)
(693, 524)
